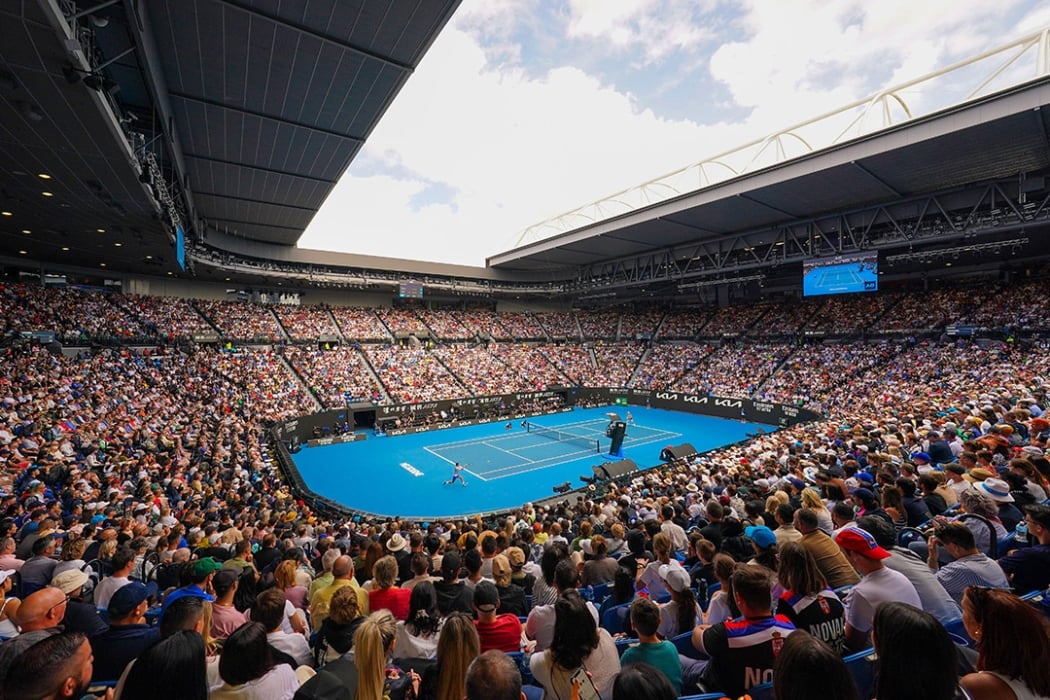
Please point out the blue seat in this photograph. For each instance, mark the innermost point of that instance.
(908, 535)
(622, 644)
(523, 667)
(957, 631)
(684, 644)
(601, 592)
(841, 591)
(614, 617)
(761, 692)
(862, 667)
(704, 696)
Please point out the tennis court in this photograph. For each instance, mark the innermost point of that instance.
(405, 476)
(521, 450)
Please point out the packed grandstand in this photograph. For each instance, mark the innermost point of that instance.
(144, 455)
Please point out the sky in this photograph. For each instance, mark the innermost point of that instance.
(524, 110)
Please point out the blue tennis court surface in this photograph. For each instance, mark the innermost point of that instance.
(405, 475)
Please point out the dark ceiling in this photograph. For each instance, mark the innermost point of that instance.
(252, 109)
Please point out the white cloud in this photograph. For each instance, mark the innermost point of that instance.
(516, 147)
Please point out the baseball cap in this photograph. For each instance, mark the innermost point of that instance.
(126, 599)
(863, 494)
(515, 556)
(861, 542)
(676, 577)
(761, 535)
(921, 455)
(205, 566)
(450, 564)
(486, 597)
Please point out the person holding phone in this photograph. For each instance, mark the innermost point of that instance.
(581, 655)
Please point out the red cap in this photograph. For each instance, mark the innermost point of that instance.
(861, 542)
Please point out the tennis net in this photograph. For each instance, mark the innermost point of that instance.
(562, 436)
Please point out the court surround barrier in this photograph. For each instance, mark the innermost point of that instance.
(301, 430)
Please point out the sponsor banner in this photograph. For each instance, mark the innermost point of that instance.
(719, 406)
(335, 440)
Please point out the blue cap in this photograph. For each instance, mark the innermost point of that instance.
(866, 477)
(761, 535)
(921, 455)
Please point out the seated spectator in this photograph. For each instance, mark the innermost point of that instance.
(457, 649)
(128, 634)
(808, 668)
(968, 566)
(493, 676)
(722, 606)
(916, 657)
(520, 577)
(417, 636)
(81, 615)
(225, 618)
(172, 669)
(385, 594)
(511, 595)
(452, 593)
(1029, 568)
(879, 584)
(57, 666)
(599, 568)
(495, 631)
(540, 624)
(336, 636)
(42, 610)
(9, 607)
(248, 671)
(269, 610)
(39, 568)
(680, 614)
(807, 601)
(833, 565)
(639, 681)
(739, 654)
(123, 561)
(661, 655)
(577, 641)
(1013, 646)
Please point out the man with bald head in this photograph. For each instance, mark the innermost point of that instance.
(42, 610)
(342, 576)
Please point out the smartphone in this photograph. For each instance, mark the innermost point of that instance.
(586, 685)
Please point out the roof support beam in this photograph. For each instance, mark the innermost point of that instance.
(263, 115)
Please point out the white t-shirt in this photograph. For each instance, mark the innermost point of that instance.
(279, 683)
(880, 586)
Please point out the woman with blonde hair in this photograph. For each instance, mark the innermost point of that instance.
(811, 500)
(373, 642)
(285, 578)
(458, 646)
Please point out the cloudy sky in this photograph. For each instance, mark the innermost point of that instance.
(523, 110)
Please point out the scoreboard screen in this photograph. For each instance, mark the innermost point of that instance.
(410, 290)
(841, 275)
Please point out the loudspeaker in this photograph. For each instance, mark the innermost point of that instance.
(615, 470)
(600, 472)
(563, 487)
(683, 451)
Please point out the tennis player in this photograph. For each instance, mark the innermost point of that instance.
(457, 475)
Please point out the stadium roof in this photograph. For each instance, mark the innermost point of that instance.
(250, 109)
(946, 153)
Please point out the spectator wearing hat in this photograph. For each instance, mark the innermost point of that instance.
(452, 593)
(1028, 568)
(999, 491)
(833, 565)
(495, 631)
(935, 600)
(650, 649)
(81, 616)
(682, 612)
(878, 585)
(201, 573)
(969, 566)
(511, 595)
(128, 634)
(764, 544)
(516, 558)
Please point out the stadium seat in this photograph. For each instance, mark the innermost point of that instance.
(841, 591)
(908, 535)
(993, 547)
(622, 644)
(957, 632)
(684, 644)
(704, 696)
(614, 617)
(523, 667)
(862, 667)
